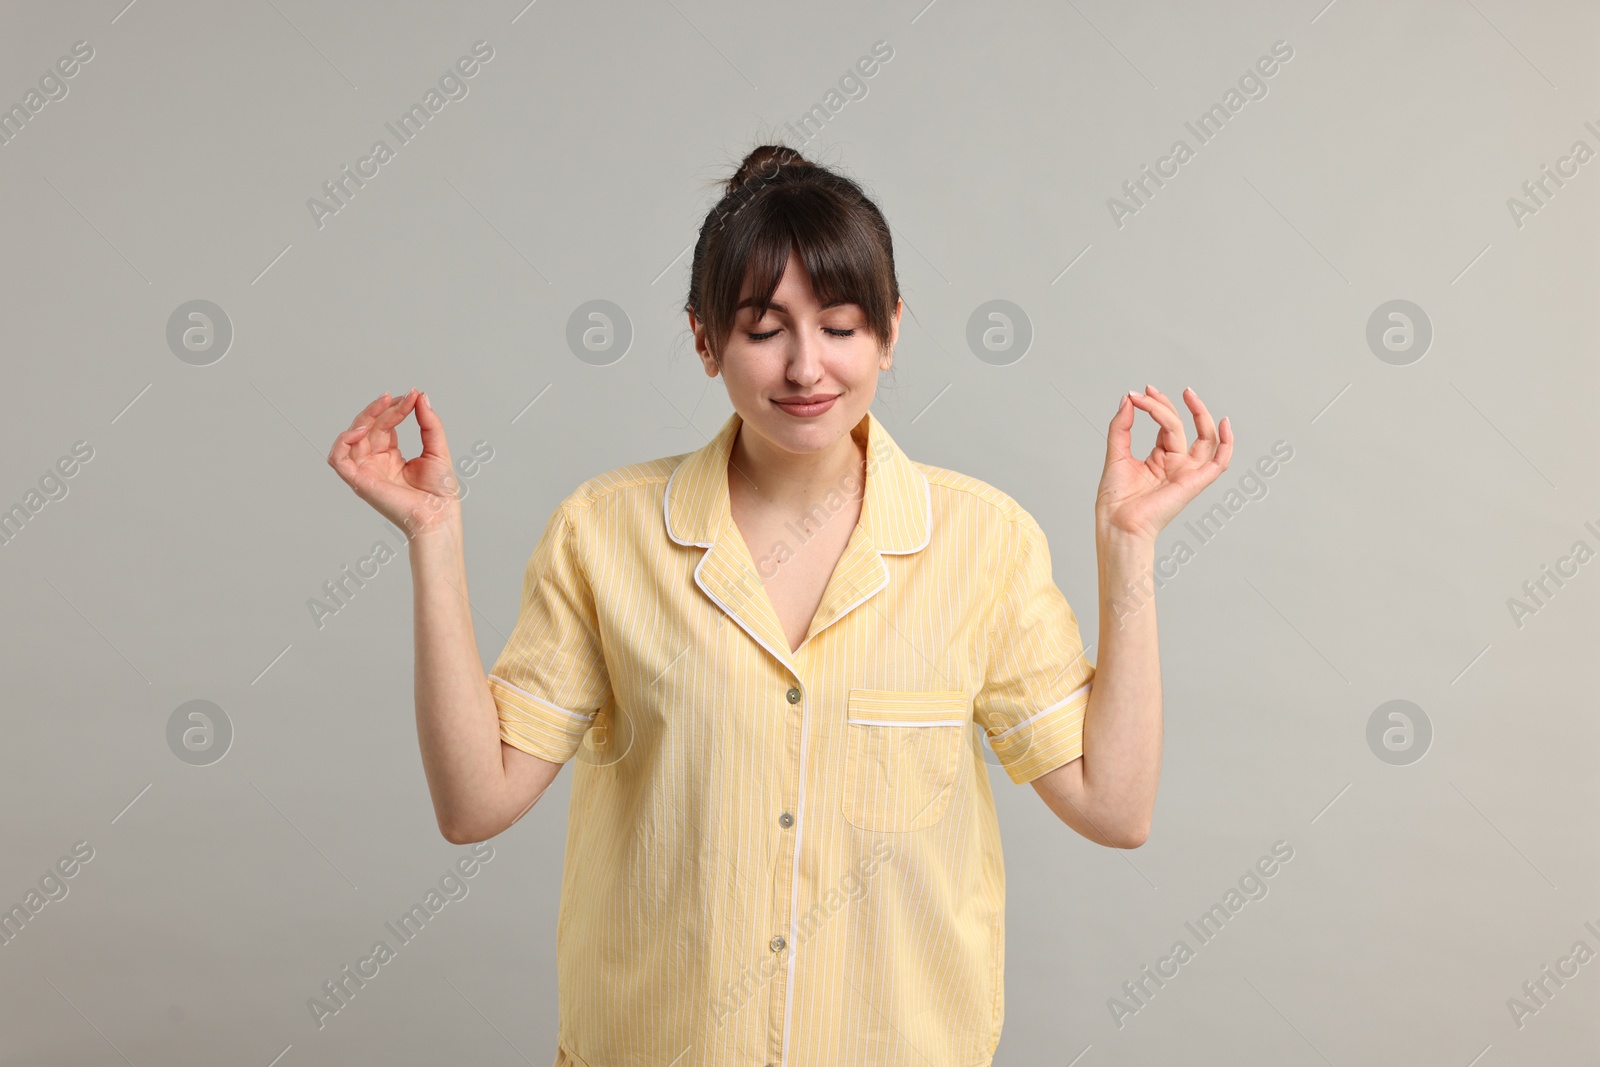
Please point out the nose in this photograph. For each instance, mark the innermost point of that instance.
(805, 359)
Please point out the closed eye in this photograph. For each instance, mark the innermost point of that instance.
(826, 329)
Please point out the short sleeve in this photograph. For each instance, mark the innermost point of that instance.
(550, 680)
(1036, 686)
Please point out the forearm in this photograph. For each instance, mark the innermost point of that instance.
(1122, 724)
(458, 726)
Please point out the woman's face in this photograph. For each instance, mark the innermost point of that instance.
(799, 350)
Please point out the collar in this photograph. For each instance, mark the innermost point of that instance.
(896, 517)
(896, 514)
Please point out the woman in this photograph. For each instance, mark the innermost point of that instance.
(782, 846)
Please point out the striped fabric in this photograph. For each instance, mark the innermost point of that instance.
(775, 856)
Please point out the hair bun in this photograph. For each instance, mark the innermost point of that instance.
(762, 164)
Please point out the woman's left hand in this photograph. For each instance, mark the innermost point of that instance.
(1139, 497)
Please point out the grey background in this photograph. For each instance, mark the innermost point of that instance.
(1378, 566)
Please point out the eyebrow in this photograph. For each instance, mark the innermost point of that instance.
(750, 301)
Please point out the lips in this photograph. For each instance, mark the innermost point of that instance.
(805, 407)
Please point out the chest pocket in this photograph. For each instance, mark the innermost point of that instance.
(903, 755)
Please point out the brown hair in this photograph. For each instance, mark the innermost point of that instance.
(777, 201)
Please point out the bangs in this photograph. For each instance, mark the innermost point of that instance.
(844, 261)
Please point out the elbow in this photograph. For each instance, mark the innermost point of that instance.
(460, 835)
(1130, 837)
(1132, 840)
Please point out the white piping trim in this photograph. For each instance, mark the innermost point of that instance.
(927, 525)
(541, 701)
(785, 660)
(896, 722)
(794, 875)
(1057, 706)
(927, 510)
(666, 509)
(883, 573)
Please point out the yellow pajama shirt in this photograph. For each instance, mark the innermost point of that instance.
(775, 856)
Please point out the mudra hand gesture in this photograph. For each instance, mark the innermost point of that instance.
(1138, 497)
(416, 495)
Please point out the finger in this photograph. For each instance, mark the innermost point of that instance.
(1225, 449)
(1152, 391)
(380, 437)
(1171, 438)
(361, 447)
(1167, 400)
(370, 412)
(395, 413)
(1205, 430)
(339, 456)
(428, 421)
(1120, 438)
(1163, 397)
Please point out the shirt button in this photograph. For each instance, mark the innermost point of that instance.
(778, 943)
(794, 696)
(786, 820)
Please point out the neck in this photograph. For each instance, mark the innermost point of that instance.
(797, 479)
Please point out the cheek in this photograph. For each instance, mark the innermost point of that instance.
(749, 368)
(863, 366)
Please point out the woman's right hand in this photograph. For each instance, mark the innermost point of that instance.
(417, 494)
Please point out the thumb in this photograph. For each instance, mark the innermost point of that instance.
(1120, 438)
(432, 428)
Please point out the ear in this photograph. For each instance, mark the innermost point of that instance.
(894, 335)
(702, 349)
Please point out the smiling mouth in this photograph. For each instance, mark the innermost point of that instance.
(806, 408)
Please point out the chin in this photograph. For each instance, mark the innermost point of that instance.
(806, 435)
